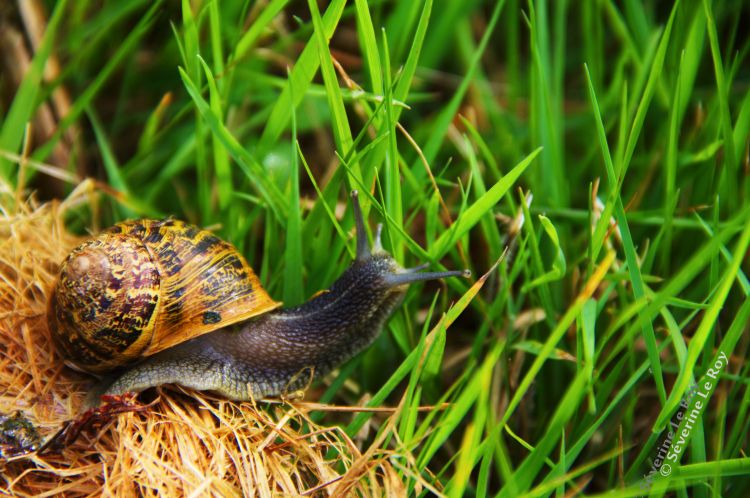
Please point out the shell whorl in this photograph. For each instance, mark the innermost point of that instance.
(105, 304)
(146, 285)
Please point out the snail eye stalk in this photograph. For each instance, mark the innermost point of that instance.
(404, 276)
(363, 251)
(411, 275)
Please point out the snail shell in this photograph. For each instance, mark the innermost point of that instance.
(144, 286)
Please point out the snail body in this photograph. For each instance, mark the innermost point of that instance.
(229, 338)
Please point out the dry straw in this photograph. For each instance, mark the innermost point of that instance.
(187, 444)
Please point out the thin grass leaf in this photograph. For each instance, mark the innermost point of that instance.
(405, 81)
(302, 74)
(546, 94)
(251, 36)
(471, 216)
(721, 94)
(366, 32)
(535, 347)
(441, 123)
(558, 265)
(393, 202)
(702, 333)
(588, 347)
(341, 128)
(466, 399)
(622, 223)
(111, 166)
(645, 101)
(526, 473)
(671, 165)
(557, 333)
(192, 63)
(25, 101)
(86, 98)
(293, 289)
(148, 137)
(220, 157)
(249, 165)
(412, 360)
(742, 129)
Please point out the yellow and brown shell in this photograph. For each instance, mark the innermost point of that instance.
(144, 286)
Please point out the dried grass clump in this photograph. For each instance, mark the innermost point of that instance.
(186, 444)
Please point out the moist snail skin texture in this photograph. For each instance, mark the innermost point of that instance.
(163, 302)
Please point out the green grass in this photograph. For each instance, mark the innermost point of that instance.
(561, 365)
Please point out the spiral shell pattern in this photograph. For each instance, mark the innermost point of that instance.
(144, 286)
(105, 302)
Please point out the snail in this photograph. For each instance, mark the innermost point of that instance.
(164, 302)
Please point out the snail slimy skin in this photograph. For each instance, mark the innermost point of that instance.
(193, 313)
